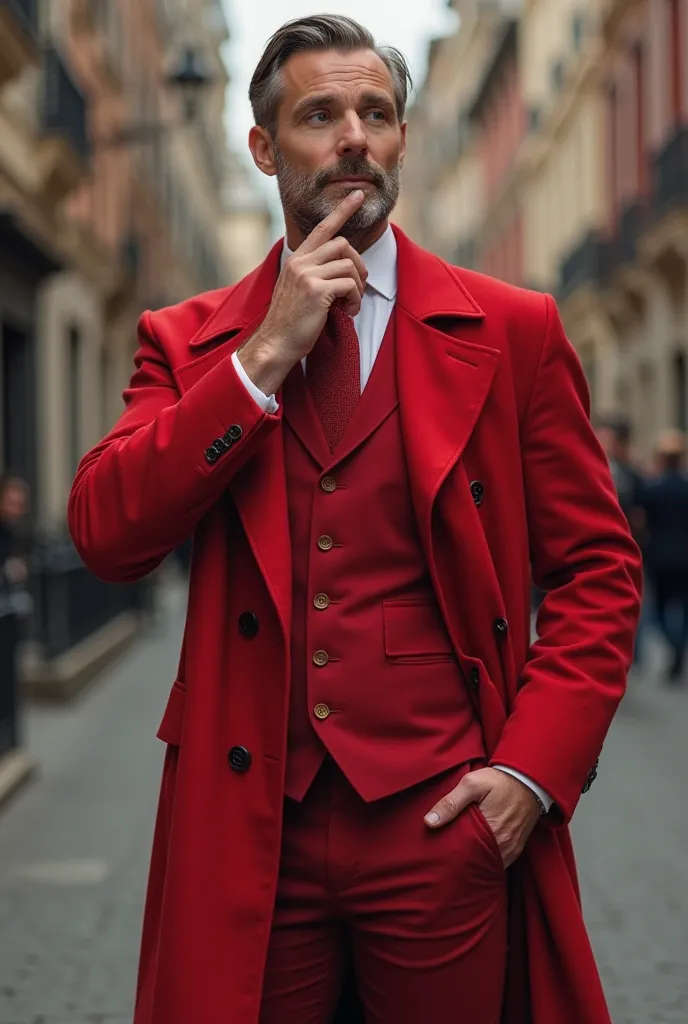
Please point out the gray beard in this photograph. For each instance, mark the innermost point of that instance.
(304, 199)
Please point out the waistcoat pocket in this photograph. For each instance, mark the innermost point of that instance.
(414, 632)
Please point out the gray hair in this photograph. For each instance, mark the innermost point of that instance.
(319, 32)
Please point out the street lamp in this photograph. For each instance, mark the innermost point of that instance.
(189, 76)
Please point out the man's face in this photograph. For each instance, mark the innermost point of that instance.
(614, 447)
(338, 131)
(14, 503)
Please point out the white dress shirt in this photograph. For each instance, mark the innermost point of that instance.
(371, 323)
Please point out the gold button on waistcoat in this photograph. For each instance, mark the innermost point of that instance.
(321, 601)
(321, 711)
(325, 543)
(329, 484)
(321, 658)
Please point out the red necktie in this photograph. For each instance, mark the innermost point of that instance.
(333, 374)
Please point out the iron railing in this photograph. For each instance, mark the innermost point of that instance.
(70, 603)
(670, 172)
(9, 717)
(64, 106)
(588, 263)
(623, 247)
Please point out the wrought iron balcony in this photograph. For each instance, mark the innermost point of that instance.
(18, 37)
(64, 146)
(131, 255)
(64, 106)
(623, 246)
(588, 263)
(670, 173)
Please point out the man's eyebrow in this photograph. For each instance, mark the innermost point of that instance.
(328, 99)
(378, 99)
(325, 99)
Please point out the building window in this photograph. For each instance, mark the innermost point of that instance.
(646, 400)
(676, 68)
(680, 398)
(534, 118)
(105, 388)
(640, 130)
(577, 26)
(74, 398)
(623, 393)
(613, 143)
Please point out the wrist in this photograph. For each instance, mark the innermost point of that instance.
(263, 363)
(525, 785)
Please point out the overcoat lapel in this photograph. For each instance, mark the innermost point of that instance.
(443, 381)
(259, 489)
(302, 416)
(443, 384)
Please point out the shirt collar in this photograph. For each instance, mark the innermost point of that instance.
(380, 262)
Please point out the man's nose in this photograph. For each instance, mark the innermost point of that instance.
(353, 138)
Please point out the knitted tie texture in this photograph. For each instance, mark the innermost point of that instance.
(333, 374)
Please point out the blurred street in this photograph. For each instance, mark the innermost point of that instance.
(74, 845)
(74, 848)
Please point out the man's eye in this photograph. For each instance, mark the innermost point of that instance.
(378, 115)
(319, 117)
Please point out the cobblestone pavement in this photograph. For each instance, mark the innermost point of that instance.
(74, 850)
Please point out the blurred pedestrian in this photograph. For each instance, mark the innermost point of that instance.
(14, 598)
(368, 763)
(615, 435)
(15, 545)
(664, 500)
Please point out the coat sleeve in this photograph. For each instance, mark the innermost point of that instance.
(584, 558)
(141, 491)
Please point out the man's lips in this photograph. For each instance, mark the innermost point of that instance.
(352, 179)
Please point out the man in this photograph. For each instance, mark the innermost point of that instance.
(370, 446)
(615, 436)
(665, 504)
(15, 598)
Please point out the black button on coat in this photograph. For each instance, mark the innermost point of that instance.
(248, 624)
(239, 759)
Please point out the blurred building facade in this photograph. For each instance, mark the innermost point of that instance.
(111, 201)
(549, 147)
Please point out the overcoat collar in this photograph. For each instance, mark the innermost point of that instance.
(443, 382)
(427, 288)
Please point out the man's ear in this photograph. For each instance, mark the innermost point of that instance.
(262, 150)
(402, 148)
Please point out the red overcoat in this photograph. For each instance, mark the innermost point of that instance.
(491, 391)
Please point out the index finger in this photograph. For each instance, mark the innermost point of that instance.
(330, 225)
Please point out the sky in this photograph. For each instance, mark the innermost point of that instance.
(406, 24)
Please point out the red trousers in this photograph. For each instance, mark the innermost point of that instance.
(424, 913)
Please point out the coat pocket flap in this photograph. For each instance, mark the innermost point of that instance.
(414, 628)
(170, 730)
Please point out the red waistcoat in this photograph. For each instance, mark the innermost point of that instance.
(375, 681)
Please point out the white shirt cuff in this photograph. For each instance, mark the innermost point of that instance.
(544, 797)
(267, 403)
